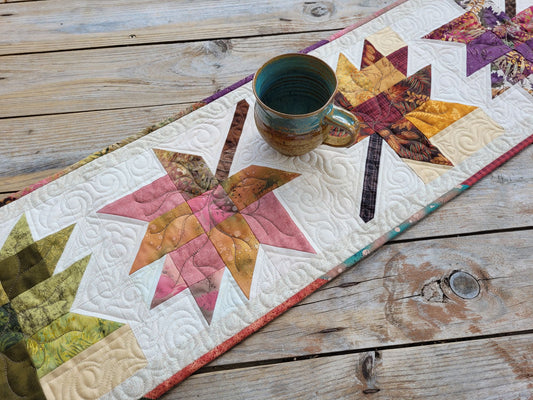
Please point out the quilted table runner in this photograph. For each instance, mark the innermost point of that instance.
(124, 275)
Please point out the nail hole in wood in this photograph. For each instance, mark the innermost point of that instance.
(464, 285)
(367, 367)
(368, 364)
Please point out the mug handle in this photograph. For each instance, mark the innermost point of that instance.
(341, 118)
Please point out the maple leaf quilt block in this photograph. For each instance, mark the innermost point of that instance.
(463, 29)
(402, 112)
(208, 230)
(399, 108)
(497, 40)
(39, 335)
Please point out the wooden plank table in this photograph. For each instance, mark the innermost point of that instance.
(76, 76)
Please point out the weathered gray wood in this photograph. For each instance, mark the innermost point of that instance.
(106, 80)
(496, 368)
(36, 144)
(139, 76)
(61, 24)
(400, 295)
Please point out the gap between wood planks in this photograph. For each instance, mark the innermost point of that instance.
(384, 301)
(168, 42)
(57, 27)
(17, 1)
(227, 367)
(184, 103)
(457, 235)
(124, 81)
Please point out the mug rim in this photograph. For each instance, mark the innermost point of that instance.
(285, 115)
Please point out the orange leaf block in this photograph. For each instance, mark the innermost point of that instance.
(237, 246)
(167, 233)
(253, 182)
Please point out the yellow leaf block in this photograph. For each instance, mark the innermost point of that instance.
(433, 116)
(360, 86)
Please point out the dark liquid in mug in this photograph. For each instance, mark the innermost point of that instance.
(296, 93)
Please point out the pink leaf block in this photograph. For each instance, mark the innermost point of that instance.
(272, 225)
(147, 203)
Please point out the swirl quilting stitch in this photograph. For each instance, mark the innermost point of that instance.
(434, 15)
(467, 135)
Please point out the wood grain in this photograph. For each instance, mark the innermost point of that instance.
(141, 76)
(401, 296)
(60, 24)
(35, 144)
(493, 368)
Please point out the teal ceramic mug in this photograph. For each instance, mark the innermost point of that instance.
(294, 109)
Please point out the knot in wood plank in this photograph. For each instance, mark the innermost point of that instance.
(218, 48)
(464, 285)
(319, 9)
